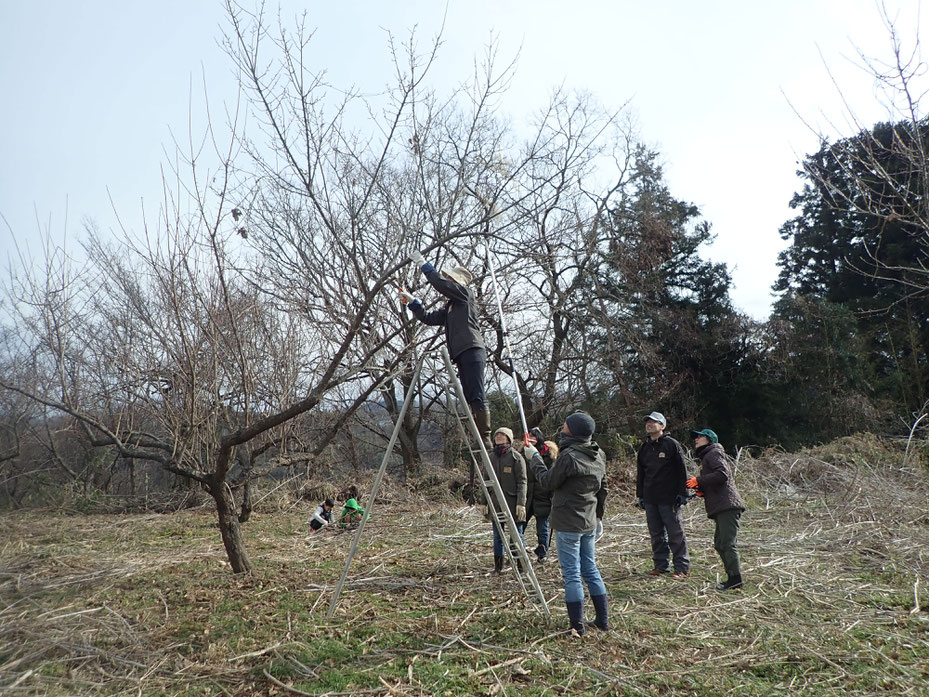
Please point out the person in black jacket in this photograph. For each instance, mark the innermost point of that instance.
(538, 498)
(577, 481)
(462, 332)
(322, 516)
(661, 491)
(723, 503)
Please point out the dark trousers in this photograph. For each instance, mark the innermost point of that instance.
(542, 534)
(666, 528)
(470, 366)
(724, 540)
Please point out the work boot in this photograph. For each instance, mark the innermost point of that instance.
(498, 564)
(482, 419)
(600, 605)
(730, 583)
(576, 616)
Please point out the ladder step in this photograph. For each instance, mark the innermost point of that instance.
(479, 456)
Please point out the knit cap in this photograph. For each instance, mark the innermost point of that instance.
(581, 424)
(505, 431)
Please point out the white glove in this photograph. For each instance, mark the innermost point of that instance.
(599, 532)
(407, 297)
(483, 509)
(418, 258)
(529, 452)
(520, 513)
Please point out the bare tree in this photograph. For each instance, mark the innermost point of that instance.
(265, 288)
(882, 173)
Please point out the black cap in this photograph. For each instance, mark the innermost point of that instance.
(581, 424)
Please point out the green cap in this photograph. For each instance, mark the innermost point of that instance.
(708, 433)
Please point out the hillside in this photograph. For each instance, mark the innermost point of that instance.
(834, 553)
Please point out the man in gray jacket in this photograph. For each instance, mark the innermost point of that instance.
(577, 481)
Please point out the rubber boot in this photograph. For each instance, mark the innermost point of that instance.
(481, 416)
(730, 583)
(498, 564)
(576, 616)
(600, 605)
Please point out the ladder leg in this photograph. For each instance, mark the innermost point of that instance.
(504, 521)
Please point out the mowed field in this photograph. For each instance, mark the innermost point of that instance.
(835, 555)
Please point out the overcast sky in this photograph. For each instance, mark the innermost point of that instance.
(93, 91)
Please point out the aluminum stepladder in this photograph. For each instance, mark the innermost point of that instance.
(485, 459)
(503, 521)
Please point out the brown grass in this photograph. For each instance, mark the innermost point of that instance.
(834, 553)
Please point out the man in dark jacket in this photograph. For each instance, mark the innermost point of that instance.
(538, 498)
(661, 491)
(723, 503)
(510, 468)
(577, 481)
(462, 332)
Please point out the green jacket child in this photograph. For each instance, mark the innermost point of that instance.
(351, 515)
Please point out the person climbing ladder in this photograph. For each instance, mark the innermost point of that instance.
(462, 332)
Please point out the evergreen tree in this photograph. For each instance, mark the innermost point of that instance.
(661, 316)
(855, 243)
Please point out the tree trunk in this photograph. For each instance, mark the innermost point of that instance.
(229, 528)
(246, 511)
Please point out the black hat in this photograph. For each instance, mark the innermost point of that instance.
(581, 424)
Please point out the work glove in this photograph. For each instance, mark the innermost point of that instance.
(529, 452)
(599, 531)
(520, 513)
(536, 434)
(691, 483)
(418, 258)
(483, 509)
(641, 503)
(681, 500)
(407, 297)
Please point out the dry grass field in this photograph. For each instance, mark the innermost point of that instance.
(835, 553)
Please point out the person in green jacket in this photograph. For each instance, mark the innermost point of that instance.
(510, 468)
(577, 481)
(352, 514)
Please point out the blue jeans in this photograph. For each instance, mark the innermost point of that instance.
(576, 554)
(498, 543)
